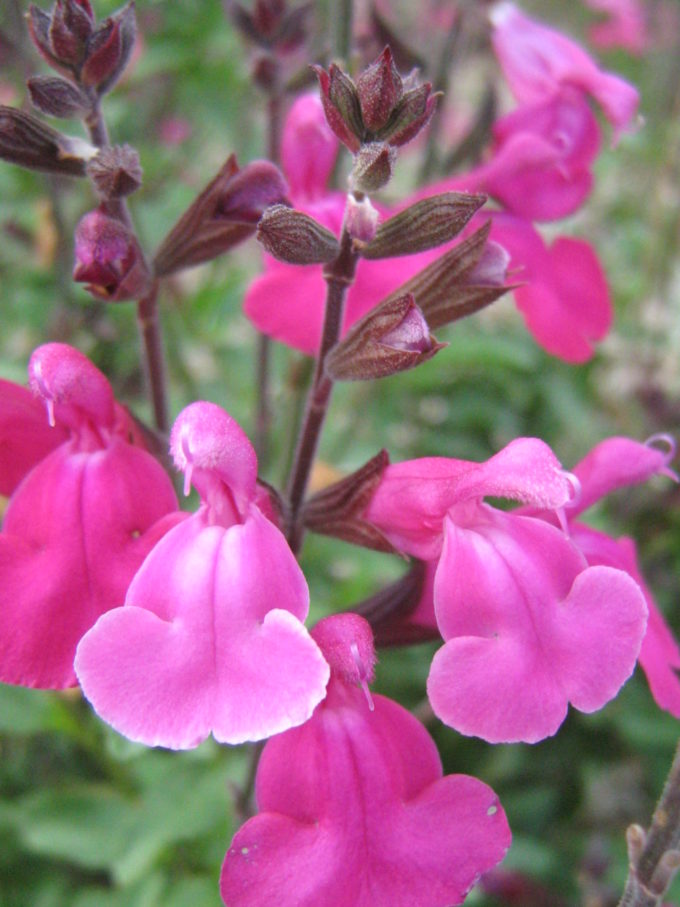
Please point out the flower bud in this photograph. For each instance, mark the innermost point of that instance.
(222, 216)
(373, 166)
(271, 25)
(465, 279)
(428, 223)
(27, 141)
(338, 509)
(115, 171)
(109, 259)
(56, 97)
(391, 338)
(379, 89)
(109, 50)
(379, 108)
(62, 34)
(341, 105)
(411, 115)
(295, 237)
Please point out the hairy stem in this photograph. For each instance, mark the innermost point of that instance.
(655, 854)
(339, 276)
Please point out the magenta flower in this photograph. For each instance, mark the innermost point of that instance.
(539, 62)
(540, 165)
(528, 626)
(612, 464)
(25, 436)
(108, 258)
(624, 25)
(210, 638)
(563, 293)
(354, 810)
(80, 522)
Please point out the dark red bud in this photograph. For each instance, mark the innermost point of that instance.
(267, 16)
(108, 259)
(295, 237)
(379, 88)
(391, 338)
(341, 105)
(66, 45)
(57, 97)
(109, 50)
(373, 167)
(27, 141)
(411, 114)
(429, 223)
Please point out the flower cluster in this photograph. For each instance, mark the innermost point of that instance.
(180, 625)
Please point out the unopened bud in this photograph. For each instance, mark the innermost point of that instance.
(109, 259)
(109, 49)
(451, 287)
(379, 88)
(57, 97)
(115, 171)
(295, 237)
(424, 225)
(338, 509)
(224, 214)
(62, 34)
(411, 115)
(373, 167)
(391, 338)
(341, 105)
(361, 220)
(27, 141)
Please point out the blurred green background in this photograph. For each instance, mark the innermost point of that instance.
(87, 818)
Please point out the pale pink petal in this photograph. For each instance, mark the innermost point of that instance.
(25, 435)
(198, 647)
(527, 629)
(625, 25)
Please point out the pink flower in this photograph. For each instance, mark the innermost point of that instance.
(354, 810)
(540, 165)
(625, 25)
(528, 626)
(539, 62)
(563, 293)
(25, 436)
(109, 259)
(80, 522)
(210, 638)
(612, 464)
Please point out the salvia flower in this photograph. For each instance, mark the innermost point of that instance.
(210, 638)
(539, 62)
(354, 810)
(80, 521)
(613, 464)
(529, 626)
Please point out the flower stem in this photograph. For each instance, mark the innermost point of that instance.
(655, 854)
(147, 308)
(339, 276)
